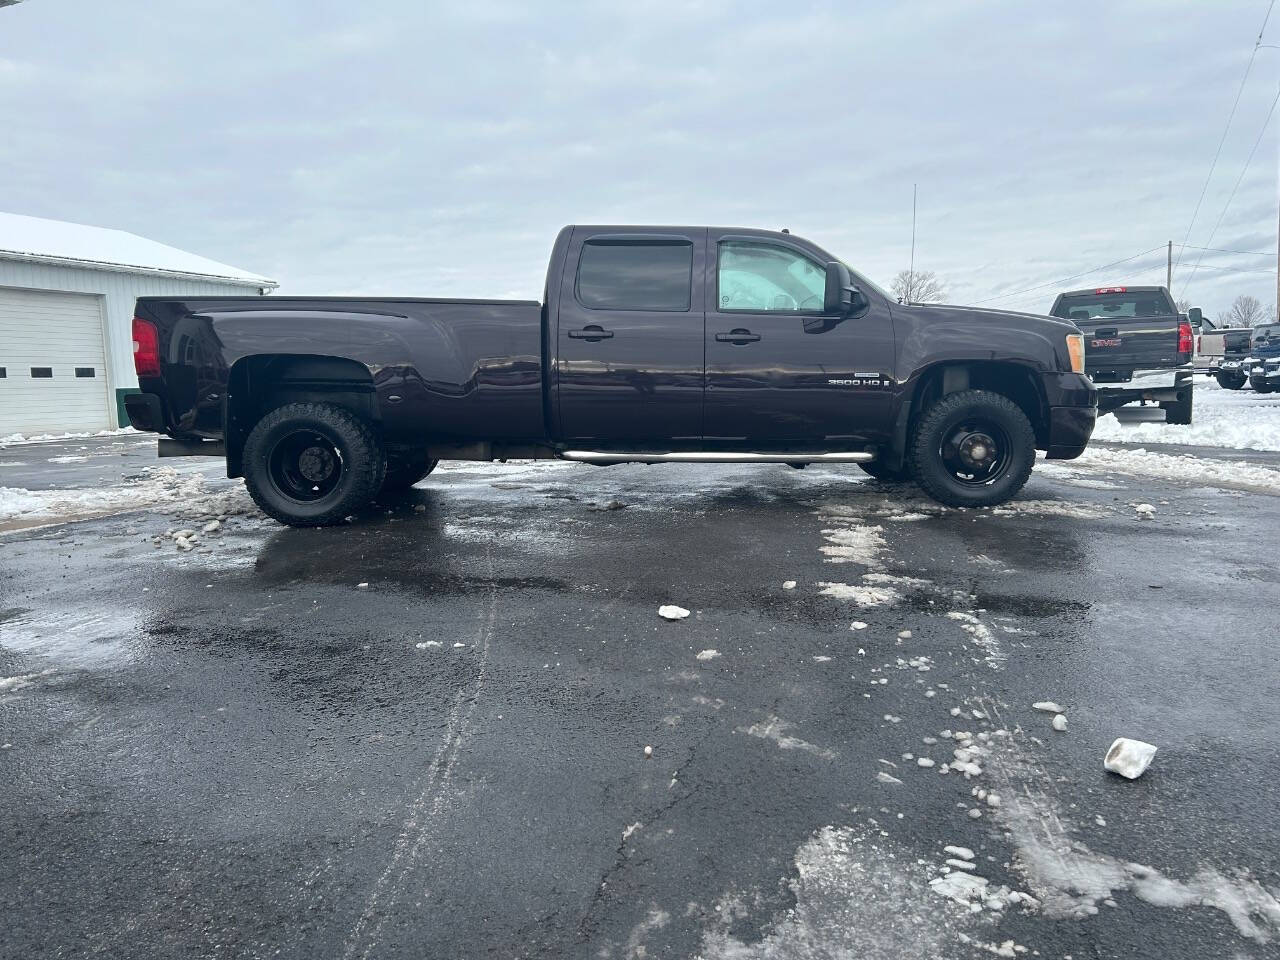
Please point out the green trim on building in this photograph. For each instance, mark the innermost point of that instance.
(122, 418)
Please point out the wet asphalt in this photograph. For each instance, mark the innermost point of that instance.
(243, 752)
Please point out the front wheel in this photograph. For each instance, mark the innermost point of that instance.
(312, 464)
(974, 448)
(1228, 382)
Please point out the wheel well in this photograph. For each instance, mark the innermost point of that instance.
(263, 382)
(1015, 381)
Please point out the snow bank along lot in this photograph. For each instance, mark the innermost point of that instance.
(1223, 418)
(460, 726)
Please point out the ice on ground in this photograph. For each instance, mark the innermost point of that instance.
(1145, 511)
(888, 778)
(855, 895)
(1048, 706)
(775, 729)
(1071, 880)
(788, 584)
(709, 654)
(848, 540)
(626, 834)
(669, 611)
(1059, 722)
(963, 853)
(1050, 508)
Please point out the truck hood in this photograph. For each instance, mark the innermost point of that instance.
(955, 313)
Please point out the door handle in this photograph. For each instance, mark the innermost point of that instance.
(590, 333)
(738, 336)
(1106, 331)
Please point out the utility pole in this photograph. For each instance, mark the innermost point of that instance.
(1168, 268)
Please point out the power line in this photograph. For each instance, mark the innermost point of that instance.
(1054, 283)
(1251, 253)
(1217, 153)
(1236, 187)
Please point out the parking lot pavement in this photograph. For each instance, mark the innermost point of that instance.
(424, 734)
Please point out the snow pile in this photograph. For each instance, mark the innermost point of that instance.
(14, 439)
(1223, 418)
(154, 486)
(1144, 463)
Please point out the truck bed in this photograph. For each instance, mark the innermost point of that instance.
(462, 368)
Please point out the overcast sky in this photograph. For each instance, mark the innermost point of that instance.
(431, 149)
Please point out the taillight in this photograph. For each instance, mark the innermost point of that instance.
(146, 348)
(1185, 342)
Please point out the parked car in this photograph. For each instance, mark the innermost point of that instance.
(1264, 358)
(1137, 347)
(652, 345)
(1219, 352)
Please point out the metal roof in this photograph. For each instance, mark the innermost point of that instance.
(73, 244)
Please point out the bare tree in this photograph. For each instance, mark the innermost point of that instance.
(918, 286)
(1183, 305)
(1246, 311)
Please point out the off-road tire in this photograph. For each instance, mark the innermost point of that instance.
(886, 473)
(1179, 411)
(404, 470)
(1230, 383)
(945, 417)
(361, 467)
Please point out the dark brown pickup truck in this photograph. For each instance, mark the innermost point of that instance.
(652, 344)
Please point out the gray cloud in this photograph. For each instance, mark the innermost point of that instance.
(434, 149)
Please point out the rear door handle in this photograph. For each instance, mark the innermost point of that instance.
(591, 333)
(738, 336)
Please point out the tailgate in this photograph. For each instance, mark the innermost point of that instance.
(1130, 344)
(1125, 329)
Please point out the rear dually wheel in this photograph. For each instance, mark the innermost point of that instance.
(312, 464)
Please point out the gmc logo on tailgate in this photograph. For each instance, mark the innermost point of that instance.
(1111, 342)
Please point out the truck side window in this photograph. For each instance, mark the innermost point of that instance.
(761, 277)
(635, 274)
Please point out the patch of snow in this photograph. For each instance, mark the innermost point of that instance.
(1185, 468)
(788, 584)
(1059, 722)
(982, 636)
(1048, 706)
(15, 439)
(669, 611)
(775, 729)
(863, 596)
(626, 833)
(709, 654)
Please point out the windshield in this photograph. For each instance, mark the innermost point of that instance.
(1266, 332)
(1107, 306)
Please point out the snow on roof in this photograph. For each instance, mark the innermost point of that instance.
(56, 241)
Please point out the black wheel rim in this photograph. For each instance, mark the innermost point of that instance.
(305, 466)
(976, 452)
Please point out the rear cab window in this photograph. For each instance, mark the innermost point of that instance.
(636, 273)
(1118, 305)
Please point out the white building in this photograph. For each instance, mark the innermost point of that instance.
(66, 317)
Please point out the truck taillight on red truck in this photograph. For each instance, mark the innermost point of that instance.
(146, 348)
(1186, 342)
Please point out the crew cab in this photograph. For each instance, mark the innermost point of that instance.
(1138, 348)
(651, 345)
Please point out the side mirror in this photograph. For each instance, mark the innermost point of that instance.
(1195, 316)
(840, 290)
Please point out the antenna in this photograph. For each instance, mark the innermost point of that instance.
(912, 270)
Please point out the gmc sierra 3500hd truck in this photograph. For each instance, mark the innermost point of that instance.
(653, 344)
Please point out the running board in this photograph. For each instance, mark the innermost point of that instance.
(713, 456)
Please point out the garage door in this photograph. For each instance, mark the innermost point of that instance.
(53, 376)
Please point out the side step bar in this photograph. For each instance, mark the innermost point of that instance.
(714, 456)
